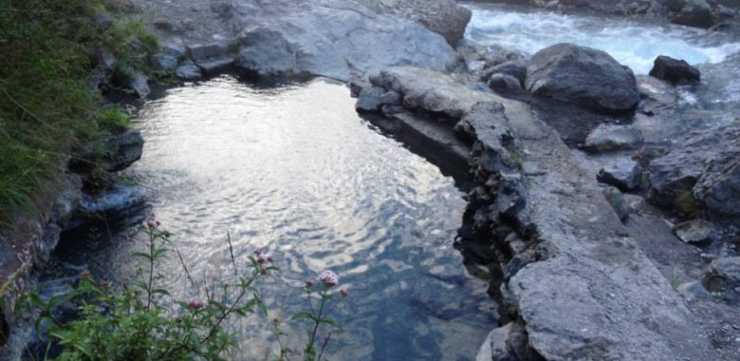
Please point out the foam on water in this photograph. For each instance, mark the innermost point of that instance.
(631, 43)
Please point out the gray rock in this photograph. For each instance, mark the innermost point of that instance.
(617, 200)
(624, 174)
(212, 59)
(695, 13)
(68, 201)
(206, 52)
(168, 57)
(674, 71)
(116, 203)
(121, 150)
(579, 284)
(503, 83)
(723, 274)
(481, 59)
(693, 291)
(266, 53)
(335, 39)
(516, 69)
(372, 98)
(700, 171)
(657, 96)
(139, 83)
(695, 231)
(188, 71)
(608, 137)
(719, 188)
(506, 343)
(444, 17)
(583, 76)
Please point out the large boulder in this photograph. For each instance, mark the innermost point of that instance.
(675, 71)
(697, 13)
(702, 171)
(333, 39)
(444, 17)
(587, 77)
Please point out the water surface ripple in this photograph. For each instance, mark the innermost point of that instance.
(296, 170)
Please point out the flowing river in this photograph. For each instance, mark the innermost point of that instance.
(633, 43)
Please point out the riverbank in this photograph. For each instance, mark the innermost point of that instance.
(62, 138)
(559, 207)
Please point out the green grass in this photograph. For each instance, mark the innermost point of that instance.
(47, 105)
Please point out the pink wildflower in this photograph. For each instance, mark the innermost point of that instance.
(263, 256)
(195, 305)
(329, 278)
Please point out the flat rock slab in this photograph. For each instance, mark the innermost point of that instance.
(593, 294)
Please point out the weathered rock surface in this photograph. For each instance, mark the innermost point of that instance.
(504, 83)
(723, 275)
(576, 280)
(444, 17)
(335, 39)
(122, 150)
(516, 69)
(481, 59)
(188, 71)
(609, 137)
(675, 71)
(211, 58)
(695, 231)
(624, 174)
(583, 76)
(695, 13)
(702, 171)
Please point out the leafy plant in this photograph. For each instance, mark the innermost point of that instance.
(143, 321)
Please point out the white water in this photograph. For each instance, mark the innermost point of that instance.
(631, 43)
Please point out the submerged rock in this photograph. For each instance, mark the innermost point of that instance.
(583, 76)
(674, 71)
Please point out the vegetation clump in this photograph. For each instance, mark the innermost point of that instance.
(48, 103)
(144, 321)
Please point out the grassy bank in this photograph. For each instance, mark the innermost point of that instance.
(47, 103)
